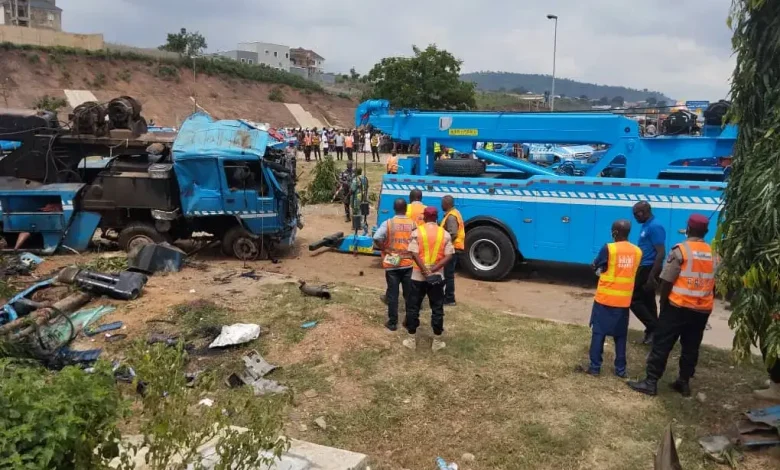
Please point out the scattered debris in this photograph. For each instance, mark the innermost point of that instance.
(168, 340)
(442, 464)
(467, 457)
(310, 324)
(666, 457)
(66, 357)
(251, 275)
(114, 338)
(123, 373)
(238, 333)
(155, 258)
(320, 422)
(702, 397)
(256, 369)
(30, 261)
(770, 416)
(303, 428)
(206, 402)
(761, 428)
(311, 393)
(124, 286)
(89, 331)
(224, 278)
(314, 291)
(714, 444)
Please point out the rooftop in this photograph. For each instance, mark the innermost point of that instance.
(306, 51)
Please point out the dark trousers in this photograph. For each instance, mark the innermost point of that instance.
(643, 302)
(374, 153)
(325, 151)
(317, 155)
(597, 350)
(349, 154)
(435, 294)
(449, 280)
(339, 153)
(307, 152)
(347, 208)
(397, 278)
(674, 323)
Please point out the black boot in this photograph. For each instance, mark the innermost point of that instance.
(682, 387)
(648, 386)
(648, 339)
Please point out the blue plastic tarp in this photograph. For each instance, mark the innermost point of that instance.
(203, 137)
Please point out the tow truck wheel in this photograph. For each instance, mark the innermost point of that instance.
(241, 244)
(137, 234)
(489, 255)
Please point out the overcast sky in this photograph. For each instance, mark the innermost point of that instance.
(679, 47)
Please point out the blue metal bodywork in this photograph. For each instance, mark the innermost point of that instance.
(548, 216)
(21, 212)
(204, 150)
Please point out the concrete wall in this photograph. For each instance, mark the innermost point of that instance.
(49, 19)
(246, 57)
(50, 38)
(273, 55)
(154, 53)
(300, 71)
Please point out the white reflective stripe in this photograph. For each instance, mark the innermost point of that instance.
(691, 293)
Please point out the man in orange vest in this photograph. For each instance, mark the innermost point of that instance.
(415, 208)
(431, 248)
(687, 296)
(452, 222)
(392, 238)
(616, 265)
(349, 142)
(392, 164)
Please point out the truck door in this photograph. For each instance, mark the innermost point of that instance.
(553, 225)
(239, 195)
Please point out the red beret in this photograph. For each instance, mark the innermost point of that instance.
(430, 212)
(698, 221)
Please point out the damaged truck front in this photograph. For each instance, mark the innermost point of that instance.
(231, 179)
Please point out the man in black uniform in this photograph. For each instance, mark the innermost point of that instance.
(343, 189)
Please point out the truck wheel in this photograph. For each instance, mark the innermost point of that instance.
(139, 233)
(489, 254)
(241, 244)
(459, 167)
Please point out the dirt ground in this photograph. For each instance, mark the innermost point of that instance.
(29, 75)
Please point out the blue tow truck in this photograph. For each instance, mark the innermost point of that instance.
(515, 210)
(230, 179)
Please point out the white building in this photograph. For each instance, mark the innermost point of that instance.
(273, 55)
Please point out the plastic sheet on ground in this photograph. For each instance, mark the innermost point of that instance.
(238, 333)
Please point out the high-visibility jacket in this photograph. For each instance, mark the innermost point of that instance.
(307, 140)
(348, 142)
(399, 234)
(451, 151)
(392, 164)
(694, 287)
(436, 148)
(489, 146)
(430, 238)
(415, 212)
(315, 140)
(460, 241)
(374, 140)
(616, 284)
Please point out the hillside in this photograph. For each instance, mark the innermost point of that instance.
(538, 84)
(26, 76)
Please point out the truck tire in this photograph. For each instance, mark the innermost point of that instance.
(241, 244)
(139, 233)
(459, 167)
(490, 254)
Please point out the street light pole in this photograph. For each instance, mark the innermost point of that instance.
(555, 52)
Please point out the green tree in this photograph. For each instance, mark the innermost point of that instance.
(354, 75)
(661, 103)
(184, 43)
(617, 101)
(428, 80)
(604, 101)
(748, 238)
(584, 97)
(651, 101)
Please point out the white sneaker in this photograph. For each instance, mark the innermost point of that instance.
(438, 345)
(410, 342)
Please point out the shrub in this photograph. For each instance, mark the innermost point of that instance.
(50, 103)
(33, 58)
(125, 75)
(168, 72)
(344, 96)
(56, 420)
(323, 185)
(100, 80)
(276, 95)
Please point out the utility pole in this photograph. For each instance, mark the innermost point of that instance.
(555, 52)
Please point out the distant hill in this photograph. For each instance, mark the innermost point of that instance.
(538, 84)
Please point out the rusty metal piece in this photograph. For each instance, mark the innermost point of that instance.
(315, 291)
(40, 317)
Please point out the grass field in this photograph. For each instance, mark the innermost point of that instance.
(503, 390)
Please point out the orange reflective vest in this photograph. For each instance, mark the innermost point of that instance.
(399, 234)
(460, 241)
(616, 284)
(392, 164)
(307, 140)
(348, 142)
(415, 212)
(694, 287)
(431, 241)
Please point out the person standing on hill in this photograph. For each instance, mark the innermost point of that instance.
(687, 299)
(415, 208)
(652, 242)
(338, 141)
(452, 222)
(431, 248)
(616, 266)
(392, 239)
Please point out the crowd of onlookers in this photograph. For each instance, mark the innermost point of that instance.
(338, 143)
